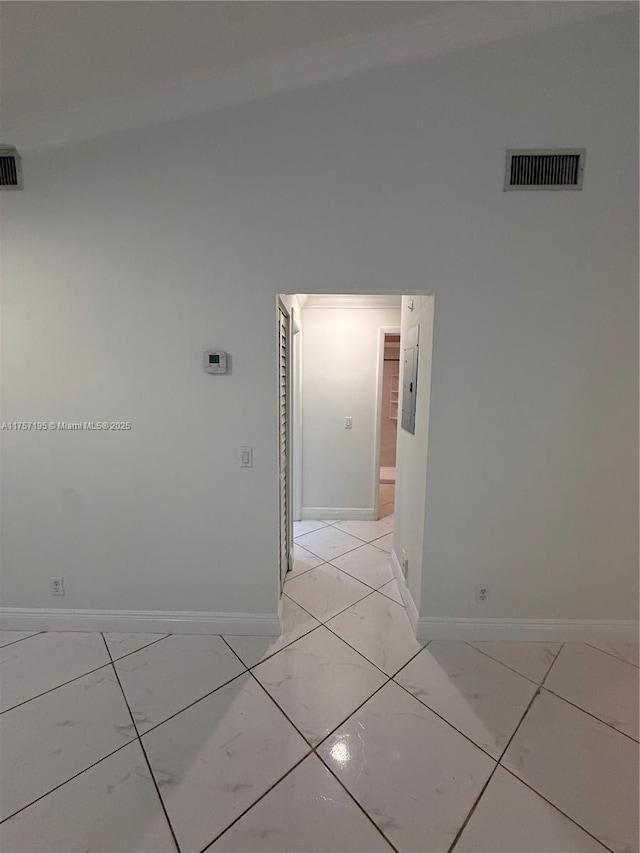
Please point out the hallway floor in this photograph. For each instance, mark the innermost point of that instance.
(344, 735)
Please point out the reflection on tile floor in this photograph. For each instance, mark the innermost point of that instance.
(343, 735)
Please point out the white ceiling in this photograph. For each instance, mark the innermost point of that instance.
(56, 55)
(72, 70)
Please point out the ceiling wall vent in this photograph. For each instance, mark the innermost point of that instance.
(10, 169)
(544, 169)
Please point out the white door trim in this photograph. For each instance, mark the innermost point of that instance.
(296, 413)
(377, 429)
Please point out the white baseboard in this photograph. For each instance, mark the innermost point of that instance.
(139, 621)
(534, 630)
(340, 513)
(409, 603)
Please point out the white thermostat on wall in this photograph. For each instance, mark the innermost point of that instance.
(215, 362)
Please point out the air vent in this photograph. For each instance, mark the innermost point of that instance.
(10, 169)
(544, 169)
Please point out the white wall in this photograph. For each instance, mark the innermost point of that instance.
(339, 380)
(118, 272)
(411, 454)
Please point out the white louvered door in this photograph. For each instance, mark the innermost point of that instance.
(284, 437)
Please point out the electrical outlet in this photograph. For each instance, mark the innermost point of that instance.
(405, 563)
(57, 586)
(482, 593)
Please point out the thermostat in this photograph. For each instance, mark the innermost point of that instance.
(215, 362)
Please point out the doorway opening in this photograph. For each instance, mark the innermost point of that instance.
(389, 400)
(352, 431)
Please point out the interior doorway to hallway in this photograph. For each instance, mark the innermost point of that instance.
(345, 459)
(388, 405)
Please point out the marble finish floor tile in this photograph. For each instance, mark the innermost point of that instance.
(392, 591)
(7, 637)
(165, 677)
(325, 591)
(379, 629)
(599, 684)
(624, 651)
(584, 767)
(120, 645)
(294, 622)
(213, 760)
(365, 530)
(303, 560)
(45, 661)
(480, 697)
(511, 818)
(318, 681)
(367, 564)
(50, 739)
(329, 542)
(384, 543)
(412, 773)
(533, 660)
(302, 527)
(111, 807)
(307, 811)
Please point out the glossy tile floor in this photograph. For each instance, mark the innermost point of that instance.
(344, 735)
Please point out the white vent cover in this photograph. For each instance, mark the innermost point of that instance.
(10, 169)
(544, 169)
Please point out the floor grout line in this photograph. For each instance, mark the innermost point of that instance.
(589, 714)
(51, 689)
(255, 803)
(144, 751)
(195, 701)
(357, 802)
(335, 634)
(70, 779)
(20, 639)
(557, 808)
(497, 764)
(314, 749)
(76, 677)
(506, 665)
(609, 654)
(444, 719)
(135, 651)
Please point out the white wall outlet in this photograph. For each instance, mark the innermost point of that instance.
(57, 586)
(246, 457)
(405, 563)
(482, 593)
(348, 423)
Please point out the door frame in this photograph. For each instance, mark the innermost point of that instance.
(296, 412)
(383, 331)
(282, 309)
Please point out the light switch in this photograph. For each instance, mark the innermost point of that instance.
(348, 423)
(246, 457)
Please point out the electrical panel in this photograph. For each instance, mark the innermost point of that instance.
(410, 378)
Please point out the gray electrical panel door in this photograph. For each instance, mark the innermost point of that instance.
(410, 379)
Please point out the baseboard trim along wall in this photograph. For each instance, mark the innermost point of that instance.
(344, 513)
(534, 630)
(139, 621)
(409, 603)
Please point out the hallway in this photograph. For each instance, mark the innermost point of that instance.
(344, 735)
